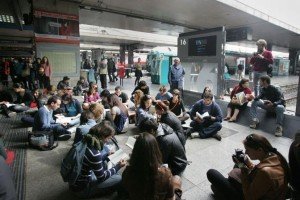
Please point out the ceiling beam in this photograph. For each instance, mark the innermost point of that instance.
(133, 15)
(14, 7)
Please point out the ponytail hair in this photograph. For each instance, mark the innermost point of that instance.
(256, 141)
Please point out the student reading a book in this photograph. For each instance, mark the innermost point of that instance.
(92, 95)
(209, 125)
(177, 107)
(172, 150)
(119, 112)
(95, 179)
(146, 177)
(240, 96)
(71, 107)
(169, 118)
(143, 112)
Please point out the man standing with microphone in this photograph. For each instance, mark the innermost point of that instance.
(260, 63)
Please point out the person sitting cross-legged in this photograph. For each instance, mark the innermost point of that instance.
(270, 99)
(206, 126)
(43, 120)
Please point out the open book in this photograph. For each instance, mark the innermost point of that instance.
(241, 98)
(65, 120)
(130, 142)
(204, 115)
(117, 156)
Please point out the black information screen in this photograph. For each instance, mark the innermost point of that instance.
(203, 46)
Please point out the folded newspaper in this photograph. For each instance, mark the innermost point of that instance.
(204, 115)
(117, 156)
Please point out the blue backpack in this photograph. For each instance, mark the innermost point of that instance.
(71, 165)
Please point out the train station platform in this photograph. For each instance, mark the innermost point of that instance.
(37, 172)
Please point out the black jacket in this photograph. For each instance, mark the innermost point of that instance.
(272, 94)
(172, 150)
(294, 161)
(172, 120)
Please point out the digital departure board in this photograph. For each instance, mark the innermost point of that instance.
(202, 46)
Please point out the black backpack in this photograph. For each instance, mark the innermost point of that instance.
(72, 163)
(42, 140)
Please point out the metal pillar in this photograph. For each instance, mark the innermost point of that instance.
(122, 52)
(130, 55)
(298, 99)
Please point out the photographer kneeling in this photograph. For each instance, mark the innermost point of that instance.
(266, 180)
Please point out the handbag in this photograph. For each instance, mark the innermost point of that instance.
(42, 140)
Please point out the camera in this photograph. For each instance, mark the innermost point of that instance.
(239, 155)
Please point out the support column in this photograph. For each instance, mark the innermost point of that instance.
(298, 99)
(122, 52)
(293, 60)
(130, 55)
(269, 46)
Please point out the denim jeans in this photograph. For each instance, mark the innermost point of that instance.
(95, 189)
(256, 76)
(206, 132)
(279, 110)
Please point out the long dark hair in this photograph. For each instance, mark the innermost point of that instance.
(256, 141)
(97, 133)
(143, 100)
(145, 160)
(114, 100)
(243, 81)
(43, 61)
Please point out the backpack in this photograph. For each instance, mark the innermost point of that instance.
(72, 163)
(42, 140)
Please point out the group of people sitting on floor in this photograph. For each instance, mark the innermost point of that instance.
(161, 141)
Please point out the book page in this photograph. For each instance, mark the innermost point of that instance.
(206, 114)
(241, 98)
(130, 142)
(117, 156)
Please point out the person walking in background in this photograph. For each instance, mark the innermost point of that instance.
(47, 67)
(103, 72)
(110, 69)
(260, 63)
(138, 71)
(176, 75)
(121, 73)
(240, 71)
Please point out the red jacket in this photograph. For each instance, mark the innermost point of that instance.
(261, 64)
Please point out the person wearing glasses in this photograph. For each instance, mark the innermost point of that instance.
(267, 180)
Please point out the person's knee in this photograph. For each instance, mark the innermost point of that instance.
(280, 109)
(211, 174)
(218, 125)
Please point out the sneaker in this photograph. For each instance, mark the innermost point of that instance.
(188, 132)
(64, 137)
(217, 137)
(255, 123)
(278, 131)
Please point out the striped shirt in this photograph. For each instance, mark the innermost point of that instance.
(93, 162)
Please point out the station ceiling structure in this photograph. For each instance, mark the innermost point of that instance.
(171, 17)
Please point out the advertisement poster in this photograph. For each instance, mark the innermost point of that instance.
(56, 27)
